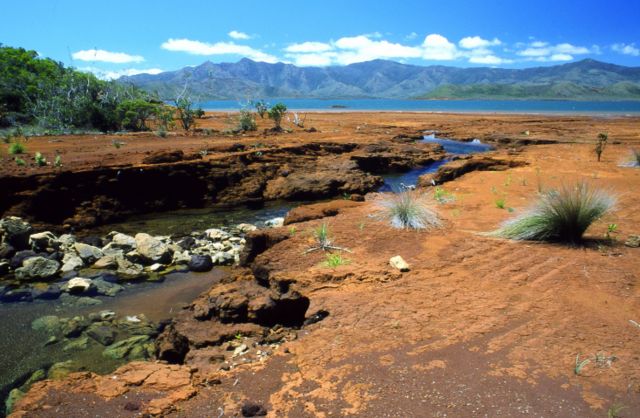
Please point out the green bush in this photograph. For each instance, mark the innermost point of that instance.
(40, 159)
(559, 215)
(276, 113)
(261, 107)
(246, 121)
(16, 148)
(409, 210)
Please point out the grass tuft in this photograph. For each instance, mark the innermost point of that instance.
(410, 210)
(559, 215)
(16, 148)
(335, 260)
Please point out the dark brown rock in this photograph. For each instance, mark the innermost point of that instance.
(171, 346)
(318, 210)
(164, 157)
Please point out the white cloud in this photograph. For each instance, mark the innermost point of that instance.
(106, 56)
(218, 48)
(542, 51)
(473, 42)
(234, 34)
(412, 35)
(489, 59)
(312, 60)
(114, 74)
(361, 48)
(626, 49)
(306, 47)
(437, 47)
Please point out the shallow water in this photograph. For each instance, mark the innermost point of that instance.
(22, 350)
(394, 182)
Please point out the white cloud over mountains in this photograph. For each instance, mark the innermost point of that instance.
(113, 74)
(100, 55)
(626, 49)
(434, 47)
(218, 48)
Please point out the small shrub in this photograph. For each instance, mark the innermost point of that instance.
(409, 210)
(246, 121)
(323, 241)
(161, 132)
(500, 203)
(580, 365)
(562, 215)
(261, 108)
(335, 260)
(20, 162)
(16, 148)
(276, 113)
(40, 159)
(601, 143)
(615, 410)
(117, 144)
(57, 162)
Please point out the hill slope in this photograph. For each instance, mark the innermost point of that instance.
(387, 79)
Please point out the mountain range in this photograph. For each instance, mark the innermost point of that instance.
(246, 79)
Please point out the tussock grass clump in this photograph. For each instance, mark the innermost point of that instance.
(335, 260)
(323, 241)
(16, 148)
(410, 210)
(559, 215)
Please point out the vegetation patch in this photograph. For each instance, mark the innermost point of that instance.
(410, 210)
(559, 215)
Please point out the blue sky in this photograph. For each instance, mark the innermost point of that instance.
(127, 37)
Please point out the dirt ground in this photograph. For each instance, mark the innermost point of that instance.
(479, 326)
(88, 152)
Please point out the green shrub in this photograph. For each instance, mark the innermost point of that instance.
(276, 113)
(57, 162)
(335, 260)
(246, 121)
(409, 210)
(559, 215)
(261, 107)
(40, 159)
(500, 203)
(20, 162)
(16, 148)
(601, 143)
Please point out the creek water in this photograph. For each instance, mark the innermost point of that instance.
(394, 182)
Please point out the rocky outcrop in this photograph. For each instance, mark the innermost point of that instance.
(462, 166)
(318, 211)
(315, 170)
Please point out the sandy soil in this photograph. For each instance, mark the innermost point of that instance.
(479, 326)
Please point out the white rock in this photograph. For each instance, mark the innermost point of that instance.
(88, 253)
(215, 234)
(274, 223)
(240, 350)
(123, 241)
(399, 263)
(156, 267)
(78, 285)
(67, 240)
(71, 262)
(246, 228)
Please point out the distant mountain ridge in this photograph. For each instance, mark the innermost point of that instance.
(586, 79)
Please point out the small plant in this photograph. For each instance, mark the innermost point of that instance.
(276, 113)
(238, 336)
(334, 260)
(246, 121)
(20, 162)
(507, 182)
(361, 226)
(615, 410)
(346, 196)
(500, 203)
(601, 143)
(562, 215)
(299, 121)
(323, 241)
(16, 148)
(611, 229)
(261, 107)
(442, 196)
(57, 162)
(161, 132)
(580, 365)
(409, 210)
(40, 159)
(603, 361)
(292, 231)
(117, 144)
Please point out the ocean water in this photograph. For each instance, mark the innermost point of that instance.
(498, 106)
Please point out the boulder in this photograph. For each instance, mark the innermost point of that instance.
(77, 344)
(152, 249)
(49, 323)
(139, 347)
(74, 327)
(52, 291)
(79, 285)
(171, 346)
(37, 268)
(633, 241)
(106, 288)
(15, 231)
(88, 253)
(19, 257)
(22, 294)
(102, 333)
(274, 223)
(42, 241)
(246, 228)
(6, 251)
(128, 270)
(106, 262)
(200, 263)
(398, 263)
(215, 234)
(71, 262)
(67, 240)
(61, 370)
(123, 242)
(14, 396)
